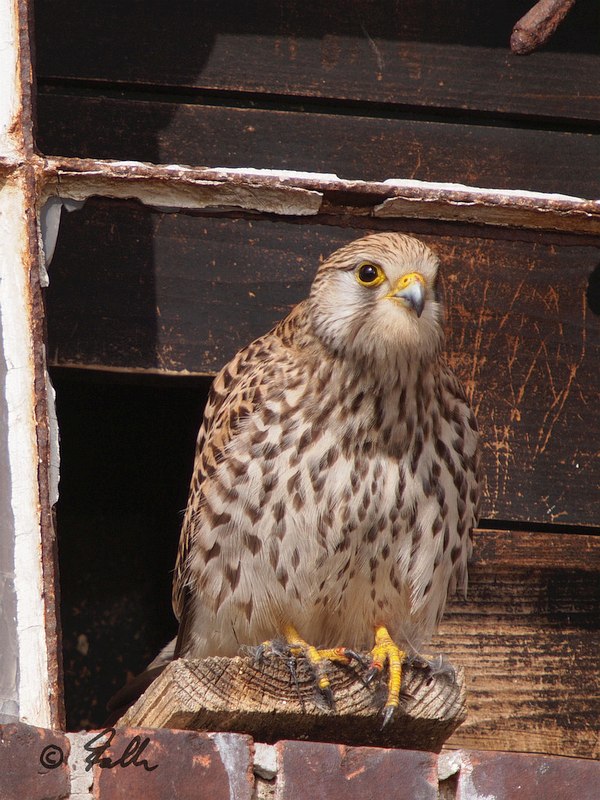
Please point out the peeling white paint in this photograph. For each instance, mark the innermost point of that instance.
(9, 84)
(494, 194)
(449, 764)
(193, 194)
(20, 518)
(466, 786)
(280, 174)
(234, 752)
(50, 224)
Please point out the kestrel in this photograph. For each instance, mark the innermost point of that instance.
(335, 484)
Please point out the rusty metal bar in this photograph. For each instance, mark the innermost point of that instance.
(297, 193)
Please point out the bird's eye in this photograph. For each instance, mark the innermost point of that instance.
(370, 274)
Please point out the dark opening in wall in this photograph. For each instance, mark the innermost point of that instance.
(127, 446)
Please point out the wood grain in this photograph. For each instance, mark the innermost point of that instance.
(266, 701)
(528, 639)
(414, 54)
(368, 148)
(177, 293)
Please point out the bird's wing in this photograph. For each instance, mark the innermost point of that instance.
(236, 393)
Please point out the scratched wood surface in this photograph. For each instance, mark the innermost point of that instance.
(136, 289)
(357, 146)
(528, 638)
(448, 55)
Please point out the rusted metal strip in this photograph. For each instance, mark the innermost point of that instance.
(176, 187)
(295, 193)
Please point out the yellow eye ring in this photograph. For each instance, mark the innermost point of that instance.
(368, 274)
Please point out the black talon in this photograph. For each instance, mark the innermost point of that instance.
(259, 654)
(327, 696)
(354, 656)
(323, 698)
(388, 713)
(371, 675)
(435, 666)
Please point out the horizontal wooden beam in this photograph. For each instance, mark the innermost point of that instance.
(421, 57)
(355, 145)
(529, 550)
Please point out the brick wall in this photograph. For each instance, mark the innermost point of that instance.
(38, 764)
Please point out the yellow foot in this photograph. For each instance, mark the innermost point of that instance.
(386, 651)
(296, 646)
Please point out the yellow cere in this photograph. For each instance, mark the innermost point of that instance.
(406, 280)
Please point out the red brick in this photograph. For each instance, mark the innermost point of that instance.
(33, 763)
(311, 770)
(189, 766)
(512, 776)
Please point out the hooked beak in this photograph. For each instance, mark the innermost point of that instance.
(410, 290)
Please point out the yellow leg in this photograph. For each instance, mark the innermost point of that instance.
(300, 647)
(386, 651)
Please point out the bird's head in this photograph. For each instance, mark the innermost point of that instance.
(376, 300)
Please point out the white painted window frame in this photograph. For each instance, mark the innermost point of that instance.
(29, 685)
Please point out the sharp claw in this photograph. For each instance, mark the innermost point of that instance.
(371, 675)
(388, 713)
(354, 656)
(327, 696)
(435, 665)
(259, 654)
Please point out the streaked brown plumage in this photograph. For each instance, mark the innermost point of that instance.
(335, 483)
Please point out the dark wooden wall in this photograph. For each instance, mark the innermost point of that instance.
(369, 90)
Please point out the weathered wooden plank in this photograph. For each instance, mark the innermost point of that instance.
(528, 638)
(270, 703)
(503, 550)
(368, 148)
(416, 54)
(136, 289)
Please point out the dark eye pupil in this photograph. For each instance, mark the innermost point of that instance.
(367, 273)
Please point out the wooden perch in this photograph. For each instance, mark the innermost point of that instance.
(264, 700)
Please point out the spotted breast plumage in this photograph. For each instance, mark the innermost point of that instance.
(335, 485)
